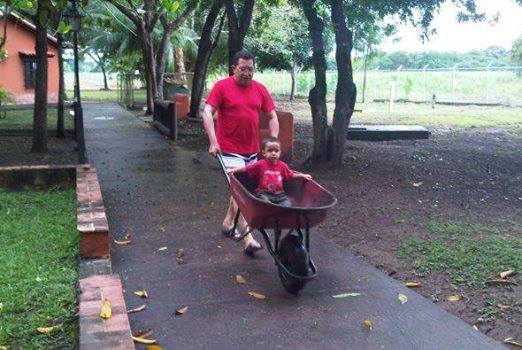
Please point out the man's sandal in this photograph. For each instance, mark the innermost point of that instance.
(251, 249)
(234, 234)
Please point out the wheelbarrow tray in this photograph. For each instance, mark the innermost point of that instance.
(310, 203)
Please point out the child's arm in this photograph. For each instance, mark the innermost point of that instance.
(301, 175)
(240, 169)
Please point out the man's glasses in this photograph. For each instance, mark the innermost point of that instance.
(246, 69)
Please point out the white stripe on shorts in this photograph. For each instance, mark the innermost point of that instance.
(233, 160)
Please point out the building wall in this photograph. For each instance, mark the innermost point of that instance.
(21, 39)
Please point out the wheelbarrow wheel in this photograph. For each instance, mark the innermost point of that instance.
(293, 255)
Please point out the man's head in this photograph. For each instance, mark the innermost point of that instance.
(271, 149)
(243, 67)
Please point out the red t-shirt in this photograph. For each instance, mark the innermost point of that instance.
(238, 114)
(270, 177)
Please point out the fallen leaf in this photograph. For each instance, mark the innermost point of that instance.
(499, 281)
(219, 246)
(137, 309)
(417, 184)
(1, 306)
(504, 307)
(124, 242)
(142, 333)
(162, 228)
(46, 330)
(143, 340)
(240, 279)
(180, 252)
(182, 310)
(154, 347)
(454, 297)
(3, 347)
(507, 273)
(368, 324)
(413, 284)
(402, 298)
(162, 248)
(141, 293)
(475, 327)
(514, 342)
(106, 310)
(256, 295)
(126, 236)
(345, 295)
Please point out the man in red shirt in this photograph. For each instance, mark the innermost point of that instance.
(238, 101)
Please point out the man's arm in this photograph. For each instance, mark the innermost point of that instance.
(273, 123)
(208, 123)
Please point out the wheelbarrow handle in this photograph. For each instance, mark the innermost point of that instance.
(223, 167)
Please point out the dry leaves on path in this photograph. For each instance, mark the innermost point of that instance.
(182, 310)
(506, 274)
(402, 298)
(240, 279)
(417, 184)
(142, 293)
(257, 295)
(106, 310)
(454, 297)
(123, 242)
(514, 342)
(143, 340)
(368, 324)
(142, 333)
(500, 282)
(346, 295)
(137, 309)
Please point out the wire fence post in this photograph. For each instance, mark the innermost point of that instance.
(453, 83)
(392, 96)
(487, 81)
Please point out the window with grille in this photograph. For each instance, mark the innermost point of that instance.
(29, 71)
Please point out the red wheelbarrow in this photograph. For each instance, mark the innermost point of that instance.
(290, 249)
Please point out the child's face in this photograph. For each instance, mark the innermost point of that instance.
(272, 151)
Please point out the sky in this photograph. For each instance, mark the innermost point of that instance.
(462, 37)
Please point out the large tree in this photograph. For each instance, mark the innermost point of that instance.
(329, 140)
(239, 16)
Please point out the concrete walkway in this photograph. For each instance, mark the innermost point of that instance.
(165, 196)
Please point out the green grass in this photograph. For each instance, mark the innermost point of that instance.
(109, 96)
(467, 253)
(38, 269)
(23, 119)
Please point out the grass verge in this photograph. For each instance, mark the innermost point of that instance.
(38, 269)
(23, 119)
(468, 254)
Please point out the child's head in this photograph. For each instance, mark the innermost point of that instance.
(271, 148)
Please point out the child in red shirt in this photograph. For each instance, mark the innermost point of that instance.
(270, 172)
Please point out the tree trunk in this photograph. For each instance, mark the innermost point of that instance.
(162, 58)
(61, 90)
(179, 63)
(345, 92)
(237, 27)
(40, 92)
(205, 48)
(365, 71)
(292, 76)
(102, 67)
(317, 95)
(150, 66)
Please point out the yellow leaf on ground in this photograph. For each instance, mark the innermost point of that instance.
(514, 342)
(180, 252)
(182, 310)
(499, 281)
(240, 279)
(417, 184)
(154, 347)
(3, 347)
(257, 295)
(162, 248)
(402, 298)
(368, 324)
(475, 327)
(507, 273)
(123, 242)
(413, 284)
(106, 310)
(141, 293)
(46, 330)
(454, 297)
(143, 340)
(137, 309)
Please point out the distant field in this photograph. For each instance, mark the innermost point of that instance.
(495, 86)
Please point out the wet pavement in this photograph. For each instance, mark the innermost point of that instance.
(171, 202)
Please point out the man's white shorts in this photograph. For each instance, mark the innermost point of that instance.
(233, 160)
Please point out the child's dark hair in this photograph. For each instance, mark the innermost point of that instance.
(268, 140)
